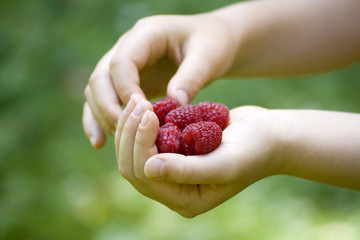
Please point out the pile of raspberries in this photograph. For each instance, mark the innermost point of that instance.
(190, 129)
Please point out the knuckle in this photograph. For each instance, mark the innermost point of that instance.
(140, 139)
(139, 175)
(110, 115)
(87, 92)
(92, 79)
(194, 77)
(128, 127)
(151, 25)
(115, 62)
(187, 174)
(125, 94)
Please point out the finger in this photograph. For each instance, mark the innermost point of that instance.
(104, 93)
(140, 48)
(134, 100)
(99, 117)
(196, 69)
(242, 157)
(92, 129)
(244, 112)
(238, 158)
(127, 139)
(213, 168)
(145, 146)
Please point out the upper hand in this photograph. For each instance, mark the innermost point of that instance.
(187, 50)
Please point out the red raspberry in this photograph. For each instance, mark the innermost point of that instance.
(169, 139)
(162, 107)
(184, 116)
(186, 149)
(201, 138)
(215, 112)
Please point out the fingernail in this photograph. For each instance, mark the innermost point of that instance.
(182, 97)
(93, 141)
(144, 119)
(154, 168)
(138, 109)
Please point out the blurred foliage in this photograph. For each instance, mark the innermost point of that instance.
(53, 185)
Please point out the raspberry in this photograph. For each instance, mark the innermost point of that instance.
(215, 112)
(184, 116)
(190, 130)
(169, 139)
(201, 138)
(162, 107)
(186, 149)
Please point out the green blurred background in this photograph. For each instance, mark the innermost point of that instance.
(54, 185)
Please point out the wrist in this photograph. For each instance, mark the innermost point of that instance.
(253, 29)
(282, 125)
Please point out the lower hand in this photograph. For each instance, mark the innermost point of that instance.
(191, 185)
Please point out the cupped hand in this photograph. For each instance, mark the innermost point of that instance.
(188, 51)
(191, 185)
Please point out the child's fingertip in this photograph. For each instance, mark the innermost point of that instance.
(182, 97)
(154, 168)
(97, 139)
(93, 141)
(145, 119)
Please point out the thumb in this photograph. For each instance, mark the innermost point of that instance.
(201, 169)
(193, 73)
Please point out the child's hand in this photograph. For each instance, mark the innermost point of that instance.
(317, 145)
(254, 38)
(191, 185)
(189, 50)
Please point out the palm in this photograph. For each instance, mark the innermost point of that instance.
(239, 162)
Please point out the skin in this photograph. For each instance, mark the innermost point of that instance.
(178, 55)
(170, 54)
(322, 146)
(189, 185)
